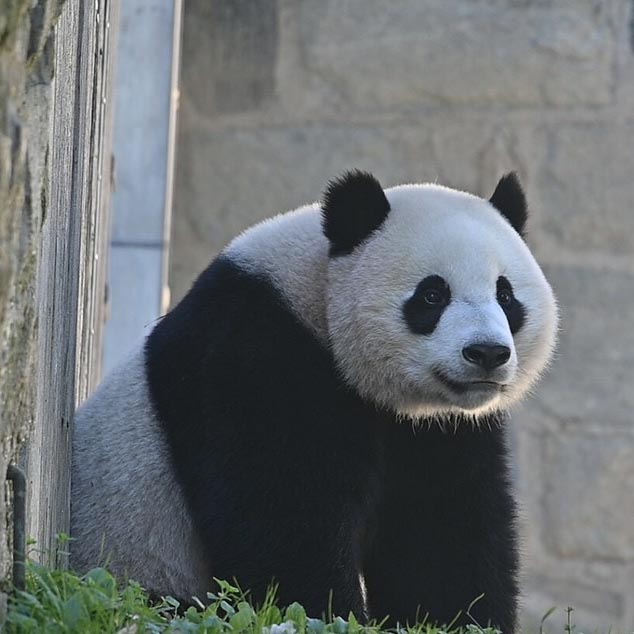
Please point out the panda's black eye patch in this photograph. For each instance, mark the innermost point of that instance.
(513, 309)
(423, 309)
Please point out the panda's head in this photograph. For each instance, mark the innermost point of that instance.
(435, 304)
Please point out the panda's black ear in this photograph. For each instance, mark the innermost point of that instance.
(353, 206)
(508, 198)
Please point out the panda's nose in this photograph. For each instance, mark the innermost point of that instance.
(486, 355)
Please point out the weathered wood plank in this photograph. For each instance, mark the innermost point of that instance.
(96, 227)
(55, 162)
(26, 71)
(71, 280)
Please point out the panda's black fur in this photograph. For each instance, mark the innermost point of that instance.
(290, 475)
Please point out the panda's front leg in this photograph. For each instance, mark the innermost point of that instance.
(307, 549)
(446, 535)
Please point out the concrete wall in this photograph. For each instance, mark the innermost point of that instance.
(277, 97)
(55, 160)
(144, 141)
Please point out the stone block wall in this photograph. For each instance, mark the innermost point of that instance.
(279, 96)
(26, 73)
(55, 175)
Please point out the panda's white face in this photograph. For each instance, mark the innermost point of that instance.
(442, 309)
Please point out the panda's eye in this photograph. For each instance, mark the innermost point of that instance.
(505, 296)
(433, 297)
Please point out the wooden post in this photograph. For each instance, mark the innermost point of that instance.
(56, 60)
(72, 272)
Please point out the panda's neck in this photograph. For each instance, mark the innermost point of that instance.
(291, 251)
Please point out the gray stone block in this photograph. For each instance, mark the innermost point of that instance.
(380, 55)
(588, 482)
(587, 188)
(624, 19)
(594, 608)
(229, 49)
(590, 382)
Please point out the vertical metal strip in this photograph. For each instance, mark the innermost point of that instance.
(18, 479)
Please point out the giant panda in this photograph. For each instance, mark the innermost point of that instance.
(326, 409)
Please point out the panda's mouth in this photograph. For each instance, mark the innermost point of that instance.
(462, 387)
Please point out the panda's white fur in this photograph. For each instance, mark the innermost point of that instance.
(127, 510)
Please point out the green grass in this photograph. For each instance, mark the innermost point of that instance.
(61, 602)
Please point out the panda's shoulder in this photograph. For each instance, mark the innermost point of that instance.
(289, 252)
